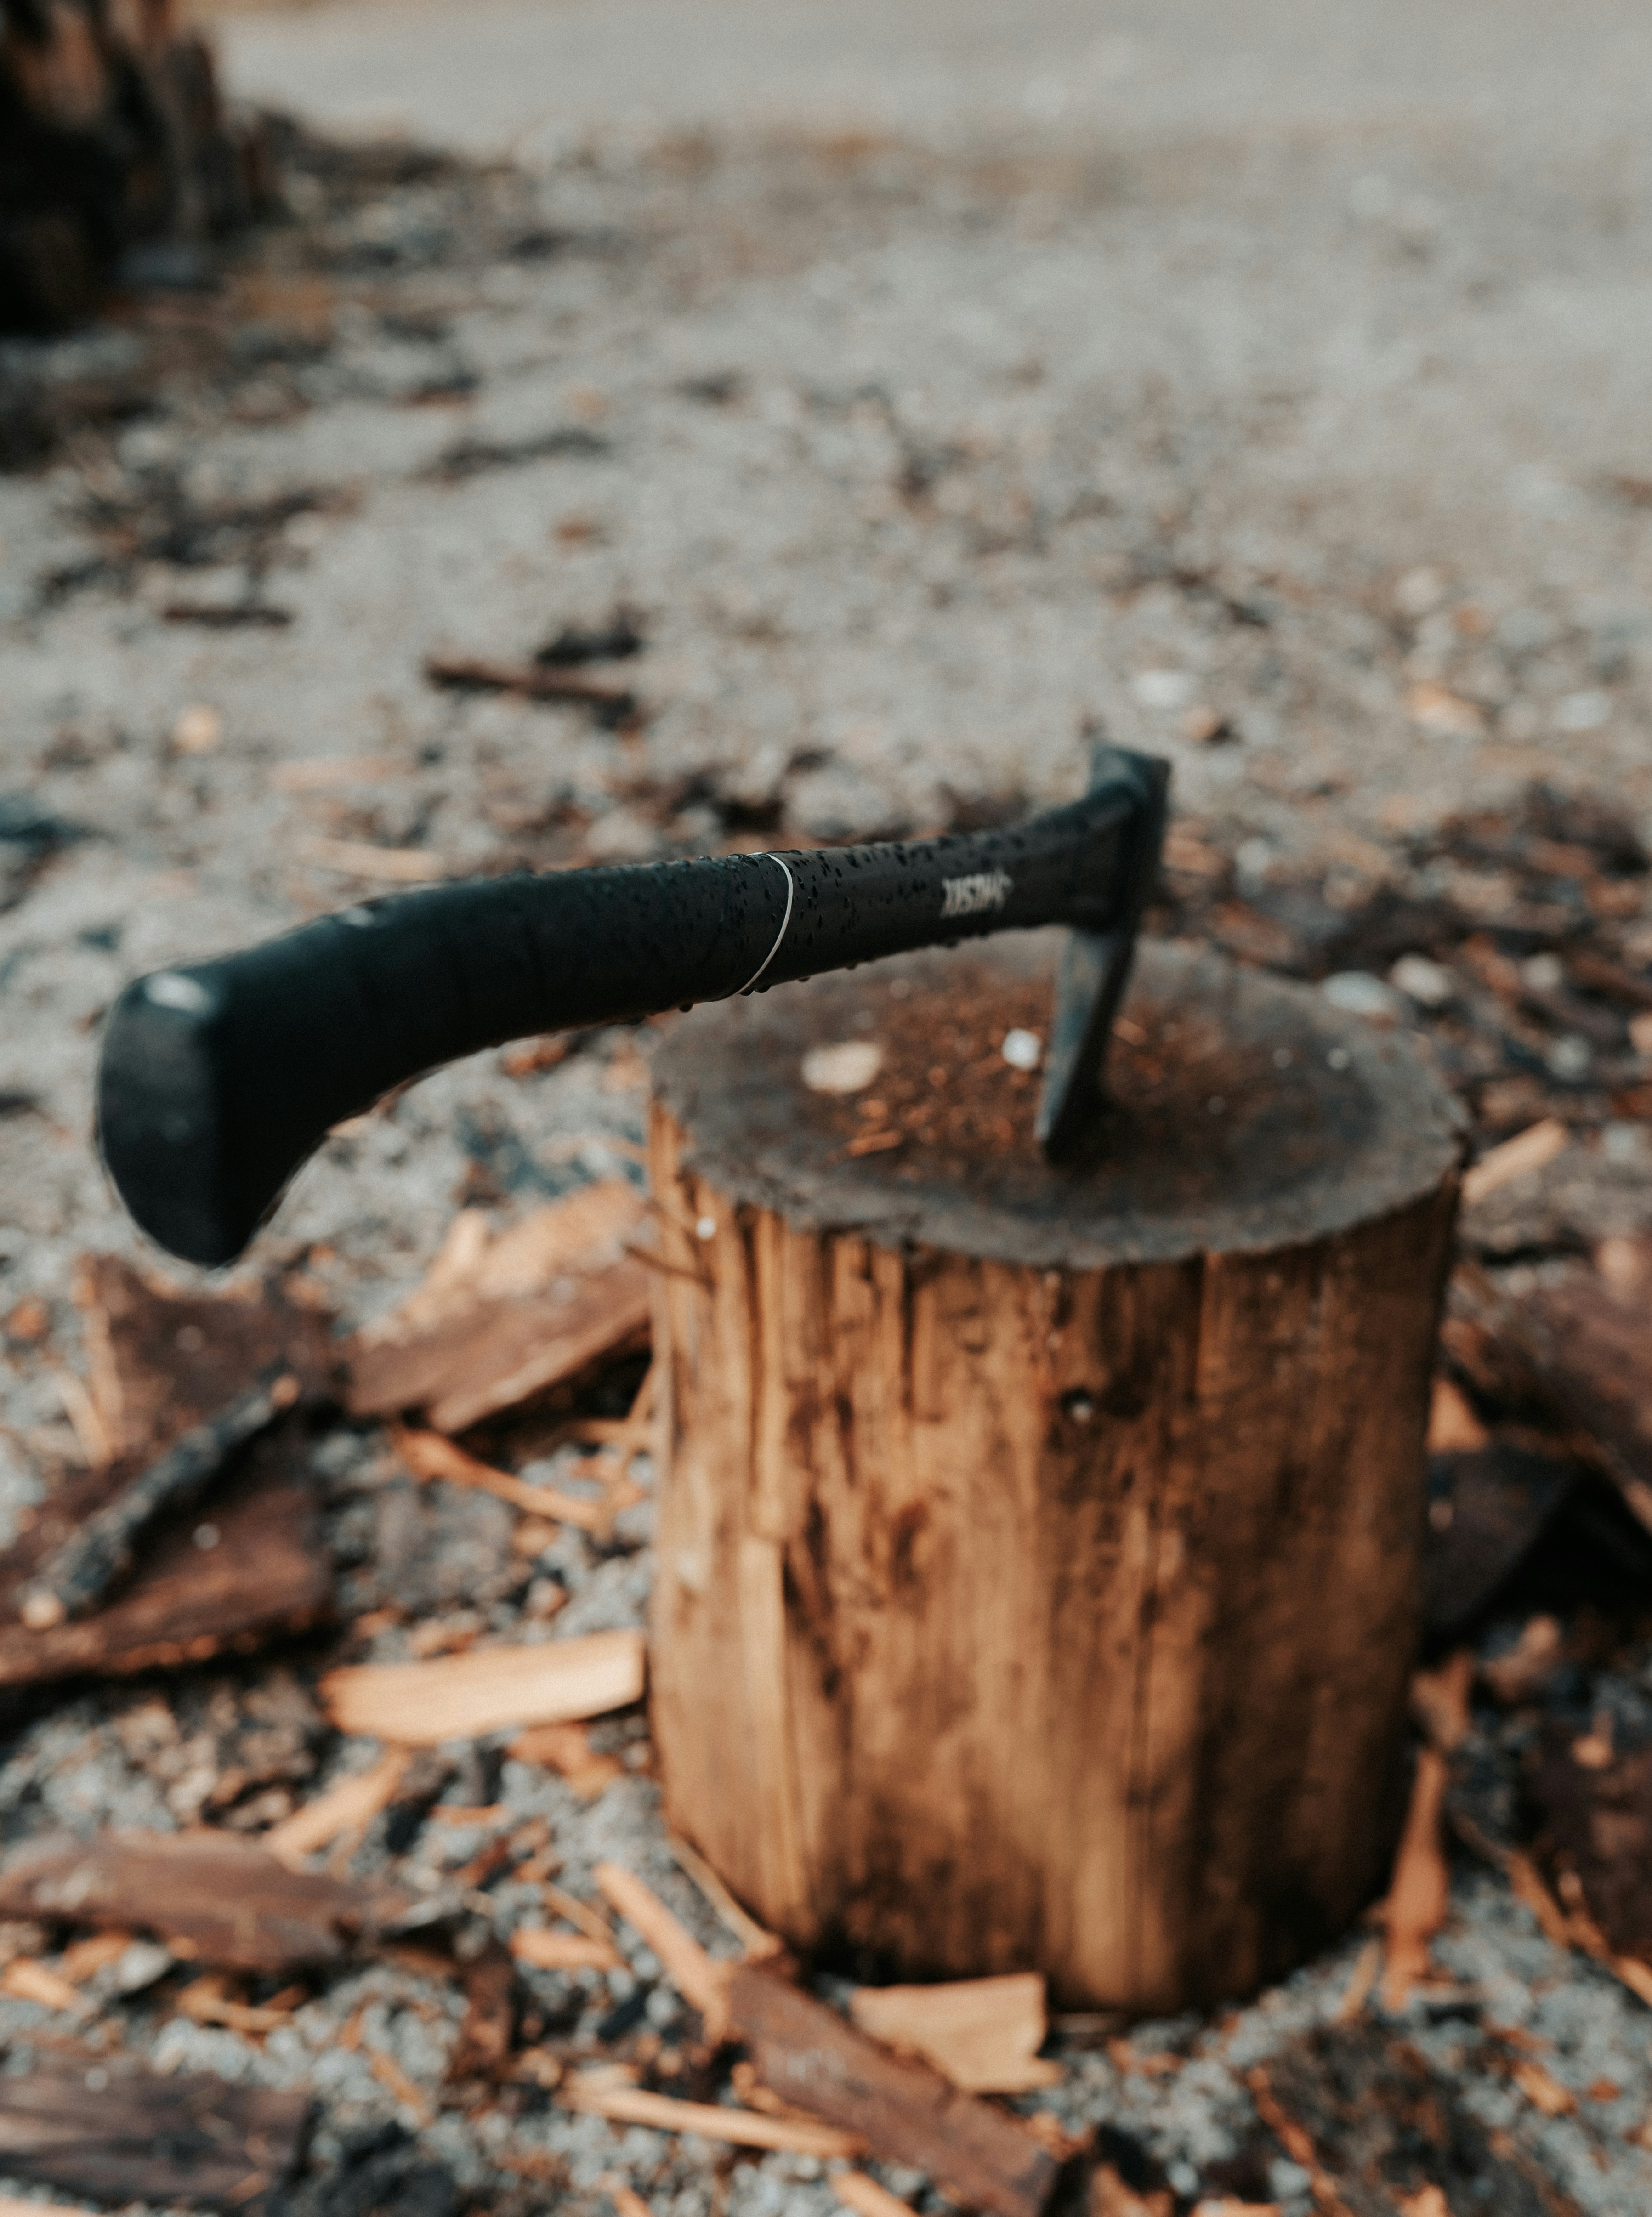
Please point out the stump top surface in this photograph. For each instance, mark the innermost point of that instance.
(1246, 1113)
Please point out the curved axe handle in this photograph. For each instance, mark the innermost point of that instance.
(218, 1080)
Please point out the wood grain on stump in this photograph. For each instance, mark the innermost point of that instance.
(1039, 1559)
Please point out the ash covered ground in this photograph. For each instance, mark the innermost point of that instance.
(909, 459)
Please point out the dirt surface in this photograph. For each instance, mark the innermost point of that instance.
(1269, 386)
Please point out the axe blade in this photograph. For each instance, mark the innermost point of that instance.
(1095, 965)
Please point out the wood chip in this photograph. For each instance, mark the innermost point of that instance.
(580, 1913)
(1439, 1701)
(1420, 1891)
(535, 681)
(702, 1983)
(905, 2112)
(360, 858)
(391, 2076)
(1543, 2091)
(1453, 1427)
(85, 1957)
(759, 1945)
(26, 1980)
(431, 1455)
(139, 2137)
(567, 1749)
(209, 2001)
(499, 1320)
(544, 1950)
(1524, 1156)
(599, 2096)
(983, 2034)
(461, 1696)
(1111, 2197)
(1362, 1980)
(213, 1896)
(866, 2197)
(348, 1806)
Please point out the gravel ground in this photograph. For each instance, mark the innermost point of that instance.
(1298, 435)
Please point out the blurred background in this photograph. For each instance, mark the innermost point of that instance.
(448, 438)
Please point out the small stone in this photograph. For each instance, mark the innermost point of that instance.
(1358, 994)
(843, 1066)
(1163, 688)
(1023, 1050)
(1419, 591)
(1583, 712)
(1570, 1058)
(1436, 709)
(1207, 727)
(197, 731)
(1430, 985)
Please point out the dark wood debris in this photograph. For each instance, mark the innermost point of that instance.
(1375, 2126)
(211, 1896)
(124, 2136)
(813, 2060)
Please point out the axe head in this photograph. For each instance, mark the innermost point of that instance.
(1095, 965)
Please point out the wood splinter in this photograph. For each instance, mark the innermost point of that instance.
(92, 1562)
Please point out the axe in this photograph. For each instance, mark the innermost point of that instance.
(217, 1081)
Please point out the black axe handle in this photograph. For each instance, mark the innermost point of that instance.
(218, 1080)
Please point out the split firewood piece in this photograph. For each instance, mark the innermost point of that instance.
(498, 1320)
(96, 1558)
(901, 2108)
(430, 1455)
(603, 2093)
(159, 1364)
(349, 1805)
(567, 1749)
(258, 1567)
(142, 2138)
(983, 2034)
(1374, 2125)
(211, 1896)
(702, 1981)
(461, 1696)
(1581, 1346)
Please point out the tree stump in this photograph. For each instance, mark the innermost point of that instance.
(1040, 1551)
(112, 135)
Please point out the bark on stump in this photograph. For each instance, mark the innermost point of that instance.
(1039, 1557)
